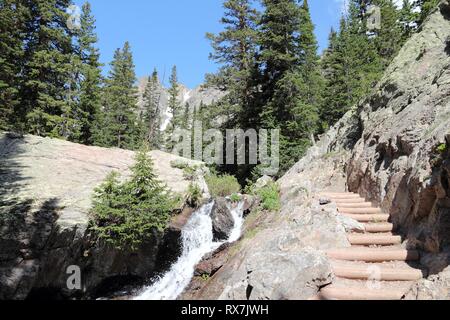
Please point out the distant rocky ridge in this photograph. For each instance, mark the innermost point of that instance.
(194, 97)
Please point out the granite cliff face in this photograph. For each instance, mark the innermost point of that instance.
(393, 149)
(45, 197)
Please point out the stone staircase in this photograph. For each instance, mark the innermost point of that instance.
(376, 266)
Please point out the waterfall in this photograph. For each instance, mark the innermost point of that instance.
(197, 240)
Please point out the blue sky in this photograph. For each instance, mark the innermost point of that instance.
(167, 32)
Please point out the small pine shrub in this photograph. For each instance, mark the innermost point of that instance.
(222, 186)
(125, 214)
(270, 197)
(194, 195)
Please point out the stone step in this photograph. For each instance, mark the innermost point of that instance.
(379, 227)
(343, 206)
(326, 193)
(377, 272)
(373, 239)
(341, 293)
(344, 197)
(373, 254)
(361, 210)
(350, 201)
(368, 217)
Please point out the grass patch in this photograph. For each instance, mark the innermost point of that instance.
(179, 164)
(332, 154)
(235, 197)
(441, 148)
(222, 186)
(270, 197)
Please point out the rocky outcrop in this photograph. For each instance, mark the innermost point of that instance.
(45, 198)
(222, 219)
(402, 160)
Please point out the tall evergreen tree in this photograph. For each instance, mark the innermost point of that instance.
(425, 7)
(152, 112)
(333, 95)
(48, 99)
(119, 124)
(174, 104)
(13, 15)
(185, 124)
(353, 64)
(235, 48)
(313, 83)
(288, 62)
(408, 19)
(90, 74)
(174, 108)
(389, 38)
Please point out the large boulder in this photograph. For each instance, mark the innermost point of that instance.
(222, 219)
(45, 198)
(287, 276)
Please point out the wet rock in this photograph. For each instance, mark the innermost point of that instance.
(222, 219)
(250, 203)
(324, 201)
(262, 182)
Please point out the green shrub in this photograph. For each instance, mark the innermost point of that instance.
(222, 186)
(270, 197)
(179, 164)
(125, 214)
(194, 195)
(189, 173)
(235, 197)
(442, 148)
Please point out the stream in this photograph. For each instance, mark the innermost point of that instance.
(197, 241)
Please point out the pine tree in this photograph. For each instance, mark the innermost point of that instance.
(12, 35)
(174, 108)
(235, 48)
(186, 116)
(291, 80)
(174, 104)
(353, 63)
(119, 126)
(128, 214)
(48, 97)
(389, 38)
(333, 99)
(309, 68)
(425, 6)
(90, 74)
(152, 112)
(408, 19)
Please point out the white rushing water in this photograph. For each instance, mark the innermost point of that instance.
(197, 240)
